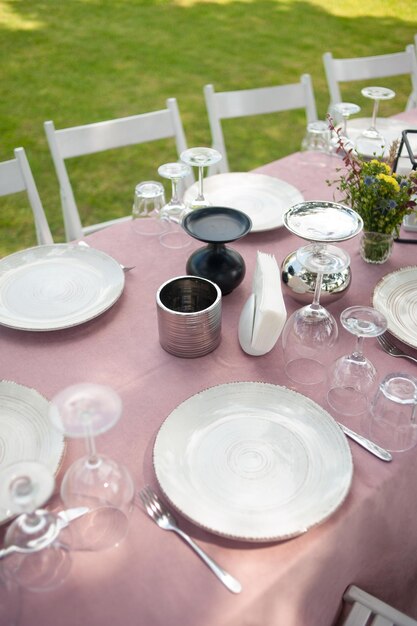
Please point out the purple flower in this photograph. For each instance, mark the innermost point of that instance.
(368, 180)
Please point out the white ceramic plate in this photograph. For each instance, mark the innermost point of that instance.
(390, 129)
(263, 198)
(57, 286)
(396, 297)
(26, 433)
(253, 461)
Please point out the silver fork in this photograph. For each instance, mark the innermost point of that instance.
(390, 348)
(165, 520)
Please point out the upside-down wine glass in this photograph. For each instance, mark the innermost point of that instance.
(200, 157)
(345, 110)
(311, 331)
(42, 560)
(353, 377)
(175, 210)
(95, 480)
(371, 142)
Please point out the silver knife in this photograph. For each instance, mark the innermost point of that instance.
(64, 518)
(372, 447)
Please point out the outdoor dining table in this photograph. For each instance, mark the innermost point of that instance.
(152, 578)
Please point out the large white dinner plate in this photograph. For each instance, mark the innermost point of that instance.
(395, 295)
(263, 198)
(390, 129)
(57, 286)
(26, 433)
(253, 461)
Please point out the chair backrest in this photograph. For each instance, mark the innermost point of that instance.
(369, 611)
(16, 176)
(366, 68)
(91, 138)
(230, 104)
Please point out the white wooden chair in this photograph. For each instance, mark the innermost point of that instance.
(261, 100)
(366, 68)
(16, 176)
(369, 611)
(91, 138)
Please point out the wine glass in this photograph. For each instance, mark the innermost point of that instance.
(353, 376)
(95, 481)
(41, 560)
(10, 600)
(148, 202)
(200, 157)
(345, 110)
(175, 210)
(371, 140)
(311, 332)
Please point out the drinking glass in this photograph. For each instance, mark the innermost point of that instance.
(174, 211)
(311, 332)
(149, 199)
(200, 157)
(317, 137)
(95, 481)
(42, 560)
(352, 377)
(371, 141)
(10, 600)
(393, 420)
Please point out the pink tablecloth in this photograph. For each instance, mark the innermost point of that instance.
(152, 578)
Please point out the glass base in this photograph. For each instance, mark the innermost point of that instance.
(306, 371)
(347, 400)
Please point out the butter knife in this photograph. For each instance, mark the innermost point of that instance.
(369, 445)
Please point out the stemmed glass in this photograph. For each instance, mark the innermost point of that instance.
(371, 140)
(200, 157)
(41, 560)
(345, 110)
(311, 332)
(95, 481)
(175, 210)
(353, 376)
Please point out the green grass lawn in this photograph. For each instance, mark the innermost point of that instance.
(81, 61)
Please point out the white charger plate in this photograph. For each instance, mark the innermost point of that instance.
(263, 198)
(26, 433)
(389, 128)
(57, 286)
(253, 461)
(395, 295)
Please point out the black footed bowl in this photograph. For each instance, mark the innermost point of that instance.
(217, 226)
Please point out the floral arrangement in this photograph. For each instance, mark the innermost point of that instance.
(370, 187)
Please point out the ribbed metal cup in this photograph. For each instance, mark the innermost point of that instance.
(189, 316)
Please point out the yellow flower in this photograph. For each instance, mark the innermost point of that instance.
(382, 165)
(389, 179)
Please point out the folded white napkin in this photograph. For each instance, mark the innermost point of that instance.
(264, 314)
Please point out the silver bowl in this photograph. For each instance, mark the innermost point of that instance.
(299, 283)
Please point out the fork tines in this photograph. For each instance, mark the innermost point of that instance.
(150, 501)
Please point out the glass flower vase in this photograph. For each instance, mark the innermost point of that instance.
(376, 247)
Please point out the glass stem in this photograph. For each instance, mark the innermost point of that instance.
(174, 185)
(317, 291)
(200, 182)
(358, 350)
(374, 114)
(91, 446)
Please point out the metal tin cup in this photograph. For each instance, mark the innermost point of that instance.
(189, 316)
